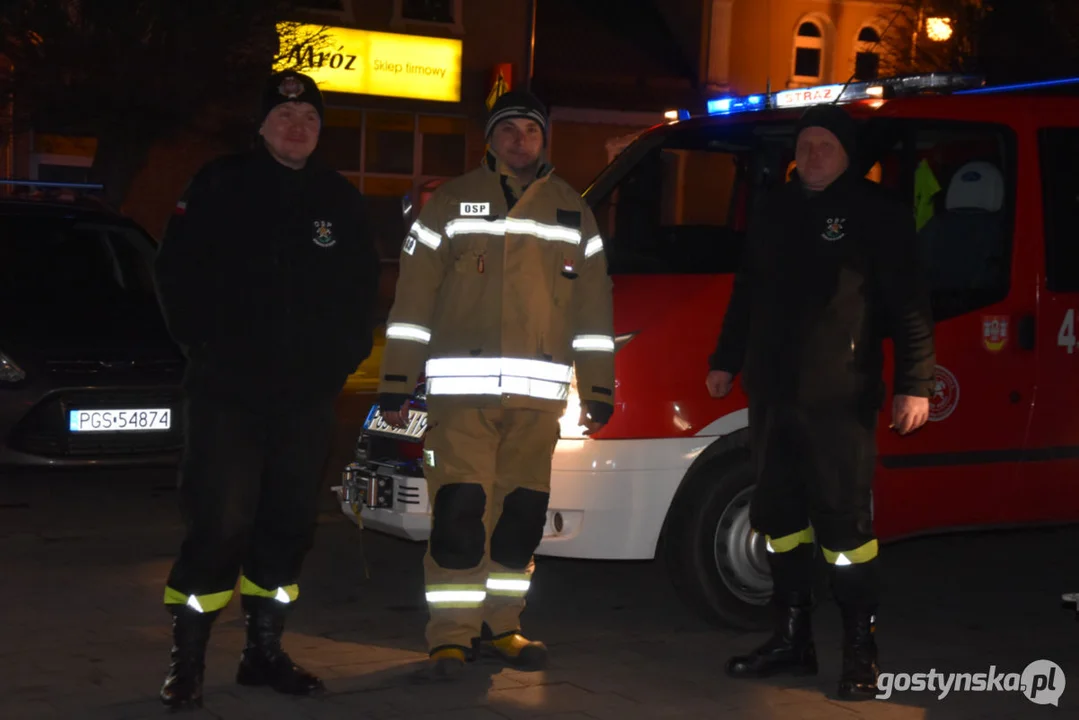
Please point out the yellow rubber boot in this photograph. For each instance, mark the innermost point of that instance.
(443, 664)
(516, 650)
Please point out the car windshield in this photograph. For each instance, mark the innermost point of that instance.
(67, 263)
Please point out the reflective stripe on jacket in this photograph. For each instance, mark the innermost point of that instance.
(500, 294)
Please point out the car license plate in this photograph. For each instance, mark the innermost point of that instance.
(127, 420)
(417, 425)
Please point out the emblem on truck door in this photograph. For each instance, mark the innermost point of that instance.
(995, 332)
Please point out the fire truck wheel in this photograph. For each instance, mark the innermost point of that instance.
(717, 563)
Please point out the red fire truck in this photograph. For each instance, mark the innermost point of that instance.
(990, 173)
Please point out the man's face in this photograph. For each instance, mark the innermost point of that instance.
(518, 142)
(291, 132)
(819, 157)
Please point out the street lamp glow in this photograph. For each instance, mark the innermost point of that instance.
(938, 29)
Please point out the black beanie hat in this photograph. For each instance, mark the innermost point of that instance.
(835, 120)
(517, 104)
(291, 86)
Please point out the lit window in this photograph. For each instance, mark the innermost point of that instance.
(938, 29)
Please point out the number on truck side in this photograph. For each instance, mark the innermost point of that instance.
(1066, 335)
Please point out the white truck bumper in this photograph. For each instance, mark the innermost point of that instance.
(609, 498)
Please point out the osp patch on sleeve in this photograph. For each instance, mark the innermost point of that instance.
(475, 209)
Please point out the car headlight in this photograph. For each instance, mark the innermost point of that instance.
(570, 428)
(9, 371)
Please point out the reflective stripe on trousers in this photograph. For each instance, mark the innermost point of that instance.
(211, 602)
(509, 584)
(456, 596)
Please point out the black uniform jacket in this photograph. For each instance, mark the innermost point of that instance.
(825, 277)
(267, 277)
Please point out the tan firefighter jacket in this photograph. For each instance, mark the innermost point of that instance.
(496, 306)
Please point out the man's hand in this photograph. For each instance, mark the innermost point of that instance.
(719, 383)
(909, 413)
(591, 426)
(397, 418)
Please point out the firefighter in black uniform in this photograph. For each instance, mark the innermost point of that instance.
(831, 267)
(267, 278)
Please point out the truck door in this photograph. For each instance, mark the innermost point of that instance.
(1050, 487)
(960, 469)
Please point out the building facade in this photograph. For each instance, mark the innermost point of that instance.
(406, 82)
(755, 45)
(609, 80)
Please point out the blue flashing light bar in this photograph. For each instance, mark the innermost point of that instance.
(1035, 85)
(50, 184)
(725, 106)
(853, 92)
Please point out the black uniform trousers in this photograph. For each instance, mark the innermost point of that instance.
(249, 483)
(814, 469)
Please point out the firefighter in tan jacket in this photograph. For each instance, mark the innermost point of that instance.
(503, 291)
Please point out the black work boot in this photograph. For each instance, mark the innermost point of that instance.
(790, 649)
(1070, 601)
(512, 648)
(264, 662)
(858, 680)
(182, 688)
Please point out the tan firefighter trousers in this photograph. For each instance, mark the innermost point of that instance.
(488, 474)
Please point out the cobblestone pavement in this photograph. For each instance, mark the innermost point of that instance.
(83, 633)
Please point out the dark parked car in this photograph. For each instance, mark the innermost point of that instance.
(88, 373)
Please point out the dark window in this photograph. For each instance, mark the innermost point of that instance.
(336, 5)
(867, 59)
(339, 147)
(807, 62)
(866, 66)
(1060, 153)
(63, 173)
(53, 264)
(809, 29)
(390, 143)
(960, 181)
(683, 207)
(428, 10)
(962, 177)
(443, 141)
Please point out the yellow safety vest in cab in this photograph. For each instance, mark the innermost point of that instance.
(496, 303)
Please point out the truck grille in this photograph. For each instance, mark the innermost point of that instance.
(391, 492)
(100, 367)
(407, 495)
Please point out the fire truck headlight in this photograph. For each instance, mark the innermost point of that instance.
(10, 372)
